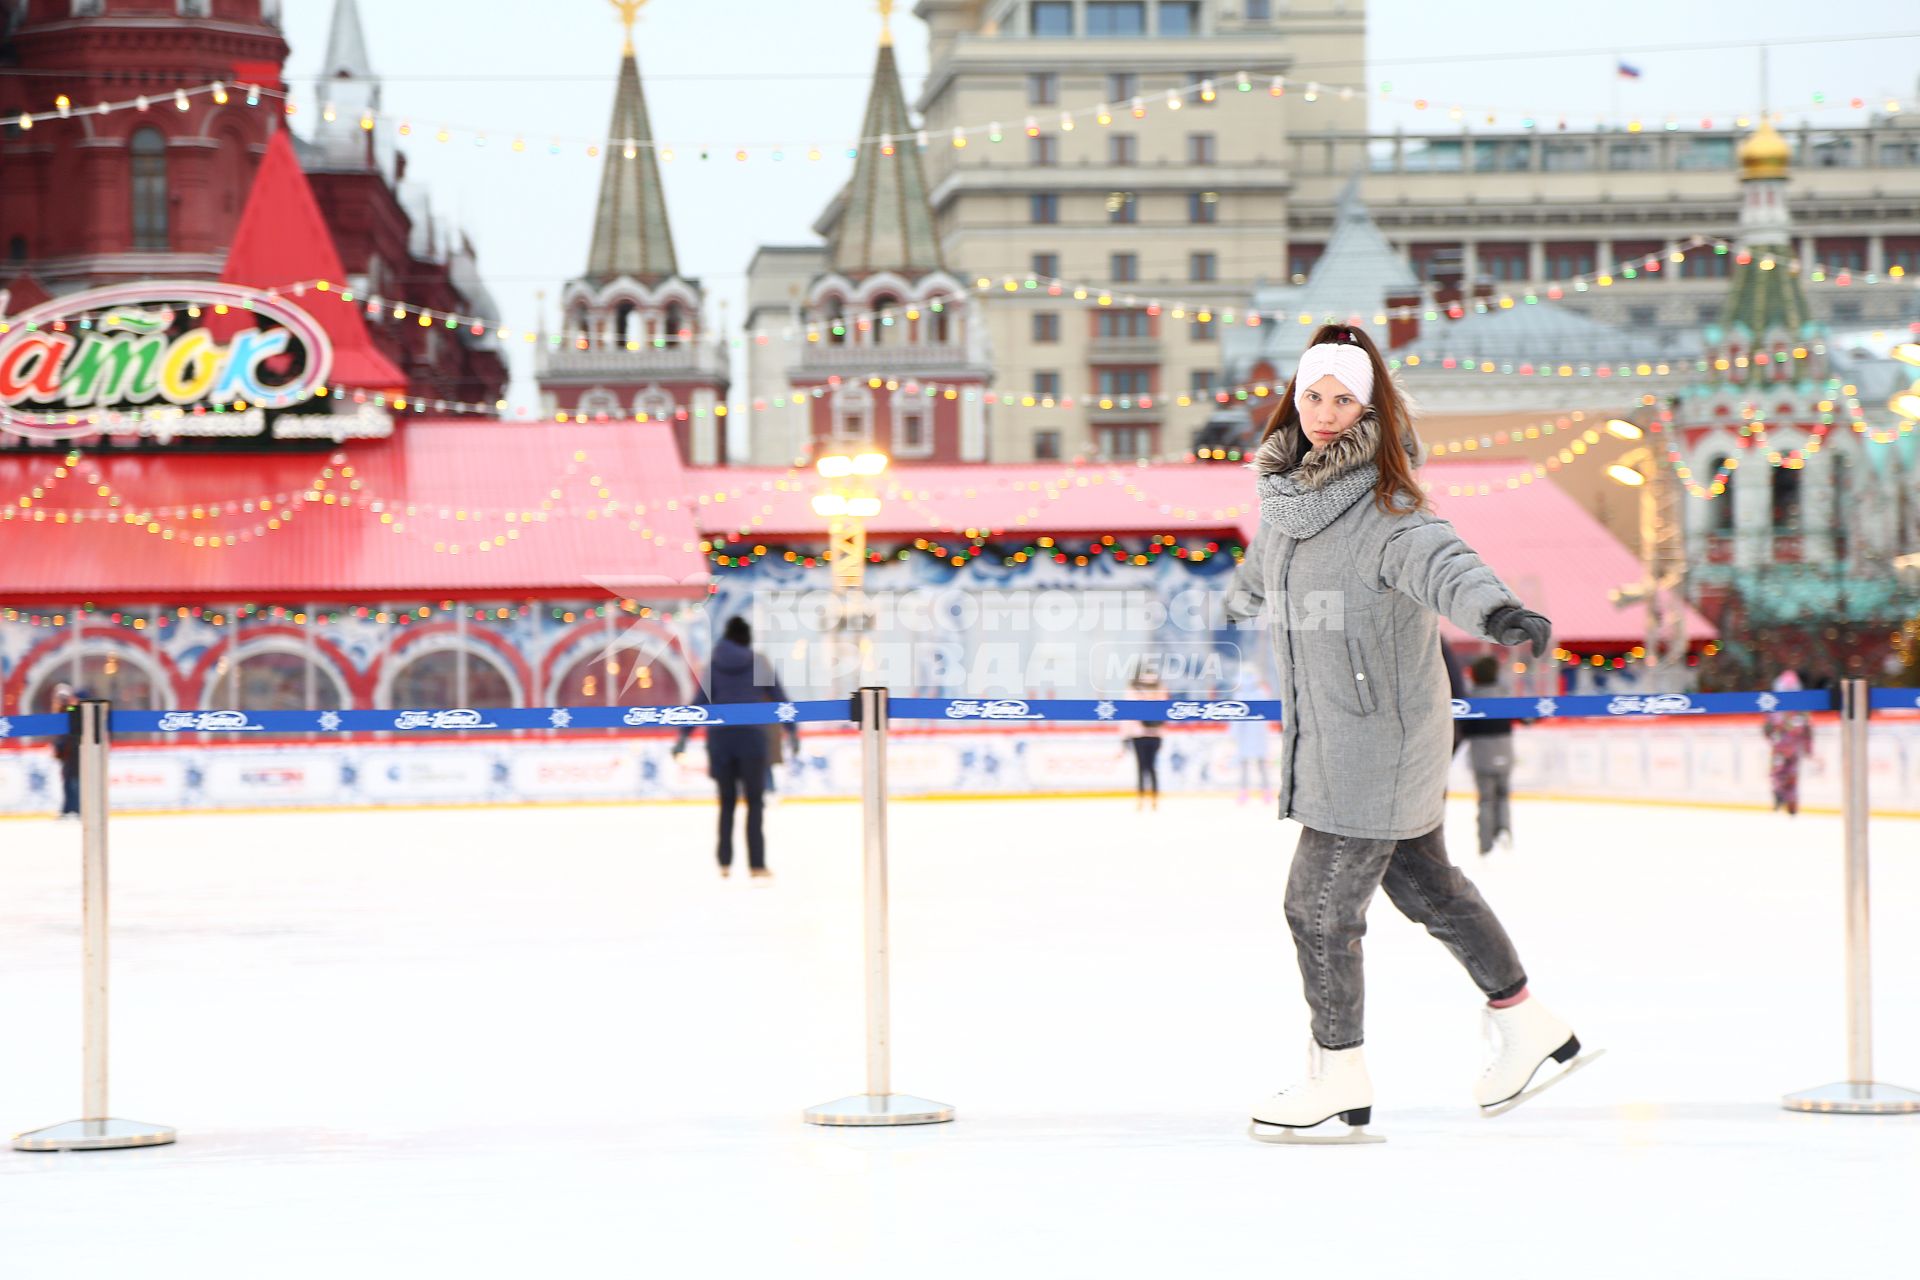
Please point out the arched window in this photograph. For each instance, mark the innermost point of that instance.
(885, 307)
(942, 326)
(1786, 500)
(597, 401)
(629, 675)
(278, 679)
(627, 324)
(17, 249)
(132, 681)
(1720, 513)
(577, 321)
(655, 402)
(149, 150)
(432, 679)
(836, 323)
(676, 320)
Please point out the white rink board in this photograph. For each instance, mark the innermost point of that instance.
(1699, 761)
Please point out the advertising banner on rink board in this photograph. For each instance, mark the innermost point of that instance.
(1681, 761)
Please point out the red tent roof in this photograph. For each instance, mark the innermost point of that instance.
(393, 528)
(281, 240)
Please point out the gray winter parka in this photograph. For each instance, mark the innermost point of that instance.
(1368, 730)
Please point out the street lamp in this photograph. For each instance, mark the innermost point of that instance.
(847, 505)
(1663, 558)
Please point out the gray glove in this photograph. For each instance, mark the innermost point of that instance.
(1511, 625)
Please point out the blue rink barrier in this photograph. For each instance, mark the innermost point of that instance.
(950, 710)
(1894, 699)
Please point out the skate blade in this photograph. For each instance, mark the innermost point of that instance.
(1501, 1108)
(1281, 1135)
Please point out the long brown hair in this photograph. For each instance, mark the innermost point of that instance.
(1396, 425)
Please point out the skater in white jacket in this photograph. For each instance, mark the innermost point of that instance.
(1350, 570)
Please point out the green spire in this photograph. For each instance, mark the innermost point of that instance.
(887, 221)
(630, 232)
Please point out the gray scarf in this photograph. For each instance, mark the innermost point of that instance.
(1300, 498)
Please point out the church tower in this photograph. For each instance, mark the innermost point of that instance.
(631, 341)
(895, 353)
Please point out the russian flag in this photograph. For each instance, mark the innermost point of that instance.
(1628, 71)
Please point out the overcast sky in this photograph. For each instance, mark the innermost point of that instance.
(727, 73)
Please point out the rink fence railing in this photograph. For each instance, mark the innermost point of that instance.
(872, 709)
(946, 710)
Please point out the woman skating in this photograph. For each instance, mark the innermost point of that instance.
(1791, 735)
(1349, 555)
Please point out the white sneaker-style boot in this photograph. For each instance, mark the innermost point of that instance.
(1336, 1085)
(1527, 1035)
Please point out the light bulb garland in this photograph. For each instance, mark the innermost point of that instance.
(1205, 89)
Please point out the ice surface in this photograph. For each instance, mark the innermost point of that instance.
(552, 1042)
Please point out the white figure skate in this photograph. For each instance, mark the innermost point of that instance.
(1336, 1087)
(1529, 1037)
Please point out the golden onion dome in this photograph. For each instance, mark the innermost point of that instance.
(1764, 154)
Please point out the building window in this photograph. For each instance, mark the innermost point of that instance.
(1502, 262)
(1203, 207)
(1786, 500)
(1046, 384)
(1179, 18)
(1565, 260)
(1052, 17)
(1203, 266)
(1198, 85)
(1043, 208)
(1123, 149)
(195, 8)
(1707, 313)
(1046, 446)
(1046, 266)
(1705, 264)
(1123, 268)
(1122, 85)
(1846, 312)
(1630, 155)
(1129, 383)
(910, 434)
(433, 680)
(17, 249)
(1200, 148)
(1705, 153)
(1900, 252)
(1046, 326)
(1643, 317)
(1124, 444)
(1124, 322)
(886, 313)
(1566, 156)
(1204, 329)
(1300, 260)
(149, 148)
(1122, 207)
(1043, 150)
(1116, 17)
(1497, 155)
(1201, 382)
(1043, 89)
(1841, 255)
(1257, 10)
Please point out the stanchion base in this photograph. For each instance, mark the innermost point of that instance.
(94, 1135)
(1855, 1098)
(877, 1109)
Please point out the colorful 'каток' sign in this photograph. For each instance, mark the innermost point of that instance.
(158, 352)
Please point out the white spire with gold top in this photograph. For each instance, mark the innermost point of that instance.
(1766, 296)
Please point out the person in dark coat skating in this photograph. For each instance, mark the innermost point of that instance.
(739, 756)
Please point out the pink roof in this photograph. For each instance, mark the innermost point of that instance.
(1551, 551)
(444, 470)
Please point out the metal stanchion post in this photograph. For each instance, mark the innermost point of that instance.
(1858, 1094)
(96, 1131)
(879, 1105)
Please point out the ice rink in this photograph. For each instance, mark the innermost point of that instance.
(552, 1042)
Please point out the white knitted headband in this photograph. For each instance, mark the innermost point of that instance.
(1344, 360)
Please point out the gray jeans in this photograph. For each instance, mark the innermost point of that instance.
(1328, 892)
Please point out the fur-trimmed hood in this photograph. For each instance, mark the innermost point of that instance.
(1286, 450)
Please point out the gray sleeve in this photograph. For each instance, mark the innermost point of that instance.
(1247, 592)
(1429, 562)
